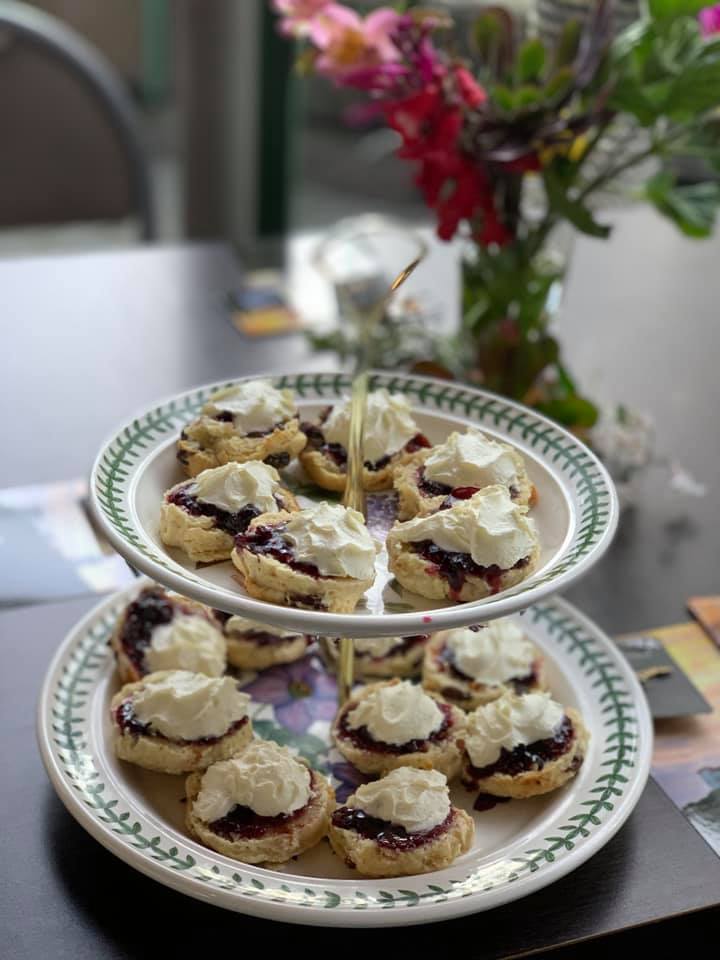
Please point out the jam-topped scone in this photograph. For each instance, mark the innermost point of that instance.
(456, 469)
(250, 421)
(254, 646)
(401, 825)
(474, 549)
(395, 723)
(174, 721)
(384, 656)
(390, 438)
(203, 516)
(474, 665)
(161, 631)
(522, 746)
(263, 806)
(321, 558)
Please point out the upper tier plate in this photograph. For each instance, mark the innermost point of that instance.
(576, 513)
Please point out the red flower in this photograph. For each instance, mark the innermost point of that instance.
(470, 90)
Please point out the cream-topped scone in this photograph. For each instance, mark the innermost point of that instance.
(382, 656)
(473, 665)
(262, 806)
(250, 421)
(401, 825)
(321, 558)
(174, 721)
(203, 516)
(475, 548)
(465, 463)
(162, 631)
(390, 437)
(395, 723)
(256, 646)
(522, 746)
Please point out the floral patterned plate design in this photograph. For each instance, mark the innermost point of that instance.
(576, 511)
(520, 846)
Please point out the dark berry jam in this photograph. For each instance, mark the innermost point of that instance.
(386, 834)
(151, 608)
(129, 723)
(242, 823)
(221, 616)
(486, 801)
(265, 639)
(456, 567)
(531, 756)
(231, 523)
(226, 416)
(269, 541)
(429, 487)
(406, 644)
(362, 738)
(278, 460)
(338, 454)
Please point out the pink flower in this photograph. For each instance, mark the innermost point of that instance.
(710, 20)
(298, 14)
(354, 50)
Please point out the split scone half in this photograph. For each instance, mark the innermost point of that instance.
(174, 721)
(390, 438)
(250, 421)
(522, 746)
(162, 631)
(465, 463)
(395, 723)
(471, 550)
(255, 646)
(262, 806)
(401, 825)
(474, 665)
(382, 656)
(204, 515)
(321, 558)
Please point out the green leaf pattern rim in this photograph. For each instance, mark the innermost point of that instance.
(583, 473)
(626, 730)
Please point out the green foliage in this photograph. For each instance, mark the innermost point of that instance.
(692, 207)
(673, 9)
(567, 207)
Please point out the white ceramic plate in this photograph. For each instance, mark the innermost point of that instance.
(520, 846)
(576, 512)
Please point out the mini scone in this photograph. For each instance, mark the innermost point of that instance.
(384, 656)
(162, 631)
(475, 548)
(522, 746)
(174, 721)
(254, 646)
(395, 723)
(391, 437)
(203, 516)
(465, 463)
(262, 806)
(250, 421)
(474, 665)
(321, 558)
(401, 825)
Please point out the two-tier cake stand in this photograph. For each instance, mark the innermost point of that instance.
(519, 846)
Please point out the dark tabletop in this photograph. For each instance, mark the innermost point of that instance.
(88, 340)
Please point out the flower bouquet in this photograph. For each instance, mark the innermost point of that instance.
(505, 151)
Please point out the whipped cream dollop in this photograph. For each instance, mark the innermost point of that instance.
(189, 706)
(396, 713)
(256, 406)
(388, 425)
(187, 643)
(489, 526)
(508, 722)
(417, 800)
(473, 460)
(369, 646)
(235, 485)
(493, 654)
(265, 777)
(240, 625)
(334, 538)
